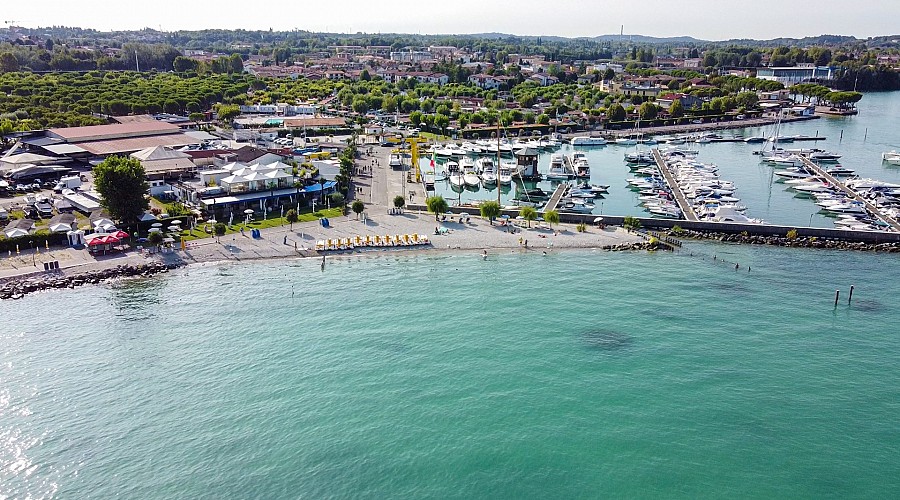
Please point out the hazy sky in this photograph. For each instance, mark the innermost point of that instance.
(705, 19)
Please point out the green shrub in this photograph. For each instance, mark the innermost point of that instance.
(792, 234)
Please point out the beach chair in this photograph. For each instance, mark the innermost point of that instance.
(423, 240)
(342, 244)
(332, 244)
(368, 240)
(320, 245)
(357, 241)
(406, 240)
(388, 241)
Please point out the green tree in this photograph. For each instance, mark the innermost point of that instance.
(156, 238)
(552, 217)
(8, 62)
(631, 223)
(543, 119)
(122, 184)
(648, 111)
(616, 113)
(227, 112)
(220, 228)
(399, 202)
(490, 210)
(358, 207)
(529, 214)
(676, 110)
(416, 118)
(436, 205)
(184, 64)
(291, 217)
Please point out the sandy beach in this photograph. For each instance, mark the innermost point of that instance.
(475, 235)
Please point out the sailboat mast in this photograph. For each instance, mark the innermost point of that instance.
(497, 166)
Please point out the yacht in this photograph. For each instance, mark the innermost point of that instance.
(505, 174)
(588, 141)
(471, 148)
(454, 175)
(487, 170)
(579, 205)
(824, 156)
(558, 168)
(625, 141)
(579, 164)
(891, 157)
(470, 178)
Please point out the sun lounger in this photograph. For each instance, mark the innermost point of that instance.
(320, 245)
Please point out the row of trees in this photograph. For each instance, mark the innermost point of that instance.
(32, 101)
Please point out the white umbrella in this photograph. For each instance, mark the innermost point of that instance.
(174, 228)
(212, 221)
(156, 224)
(176, 222)
(155, 230)
(249, 211)
(598, 220)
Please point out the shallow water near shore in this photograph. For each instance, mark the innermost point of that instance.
(582, 373)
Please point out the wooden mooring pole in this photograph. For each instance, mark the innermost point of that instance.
(837, 296)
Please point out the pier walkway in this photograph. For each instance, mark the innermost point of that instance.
(890, 221)
(687, 211)
(555, 197)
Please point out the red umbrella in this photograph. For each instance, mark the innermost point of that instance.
(120, 234)
(97, 241)
(111, 238)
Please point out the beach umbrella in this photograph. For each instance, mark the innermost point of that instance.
(156, 224)
(249, 211)
(212, 221)
(96, 242)
(155, 230)
(173, 228)
(598, 220)
(121, 234)
(110, 239)
(176, 222)
(504, 216)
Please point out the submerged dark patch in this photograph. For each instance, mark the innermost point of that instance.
(606, 340)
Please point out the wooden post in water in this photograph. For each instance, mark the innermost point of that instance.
(837, 295)
(866, 134)
(851, 295)
(842, 136)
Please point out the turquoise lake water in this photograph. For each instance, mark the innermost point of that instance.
(860, 139)
(579, 374)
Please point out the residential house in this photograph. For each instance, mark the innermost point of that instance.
(544, 79)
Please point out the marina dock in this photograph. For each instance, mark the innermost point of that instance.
(890, 221)
(557, 195)
(686, 209)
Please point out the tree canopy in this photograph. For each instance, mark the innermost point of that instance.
(123, 187)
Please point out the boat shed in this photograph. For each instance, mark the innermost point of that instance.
(527, 160)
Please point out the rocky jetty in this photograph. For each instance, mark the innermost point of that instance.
(783, 241)
(640, 245)
(17, 289)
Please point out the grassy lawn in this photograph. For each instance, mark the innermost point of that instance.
(262, 224)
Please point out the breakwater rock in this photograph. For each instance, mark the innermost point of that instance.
(16, 289)
(641, 245)
(783, 241)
